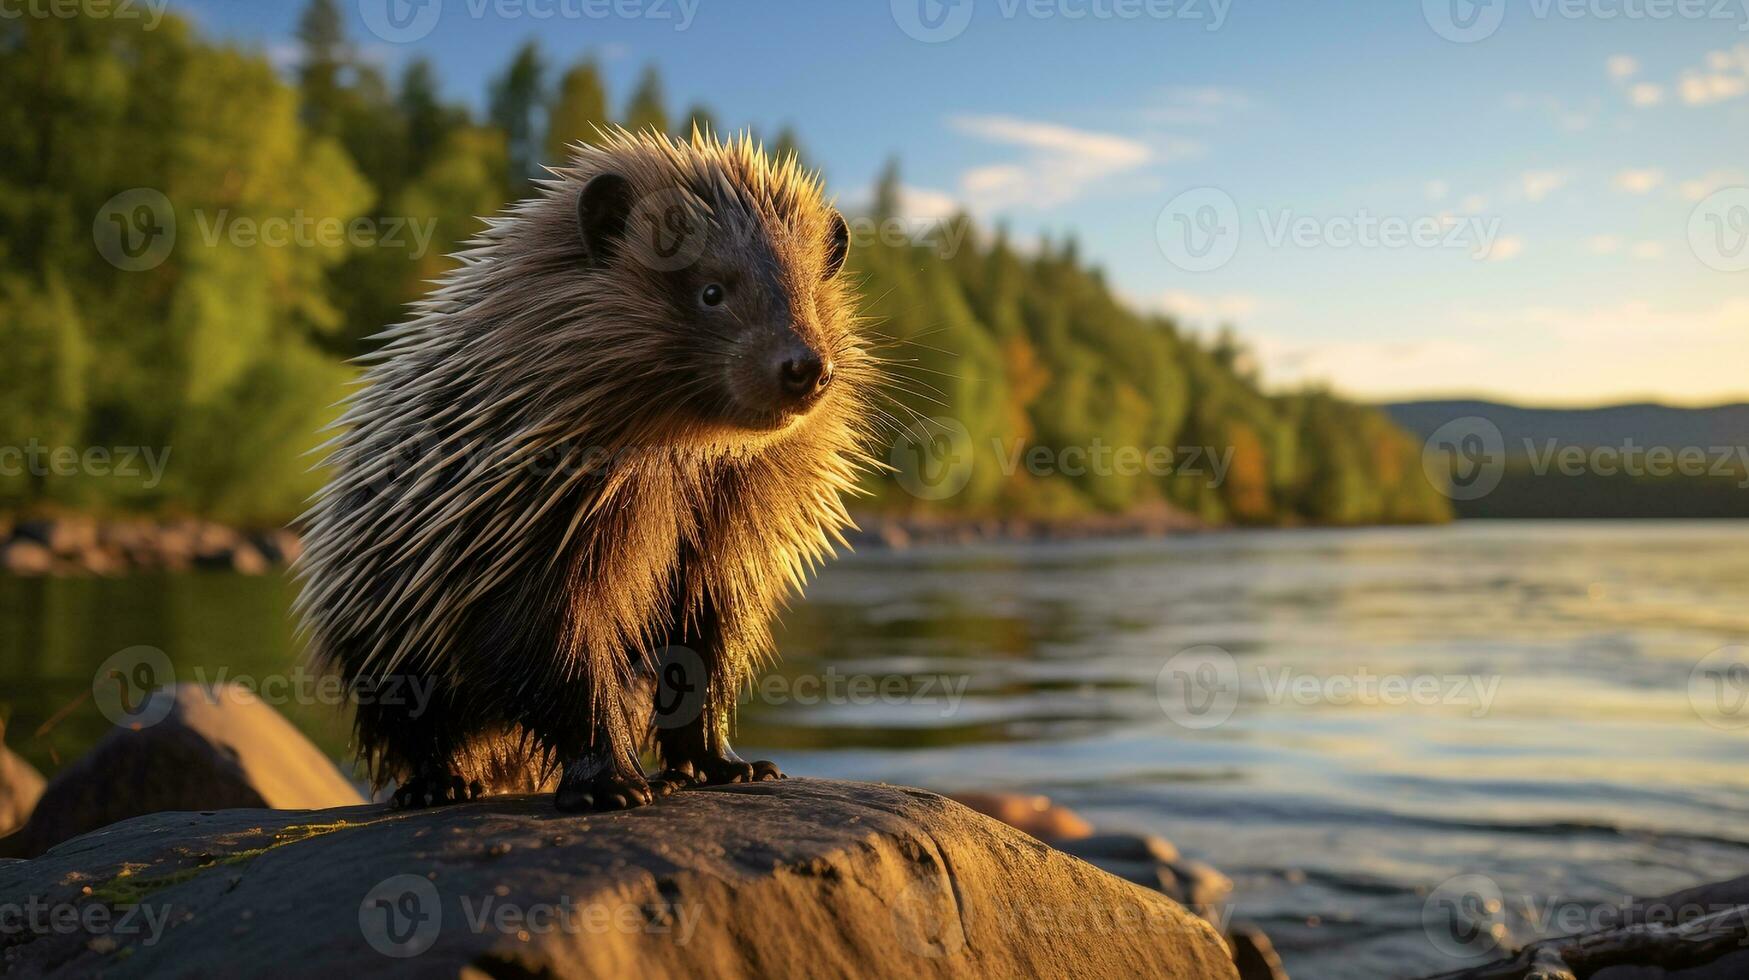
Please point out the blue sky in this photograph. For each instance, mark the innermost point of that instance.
(1557, 174)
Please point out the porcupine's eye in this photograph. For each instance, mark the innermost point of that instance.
(712, 295)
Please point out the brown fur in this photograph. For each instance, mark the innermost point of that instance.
(448, 549)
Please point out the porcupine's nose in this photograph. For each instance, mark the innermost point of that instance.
(802, 375)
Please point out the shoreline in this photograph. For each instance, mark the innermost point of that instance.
(81, 545)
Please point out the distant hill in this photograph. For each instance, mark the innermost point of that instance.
(1647, 424)
(1531, 486)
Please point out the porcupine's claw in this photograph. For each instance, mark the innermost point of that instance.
(609, 790)
(669, 781)
(717, 770)
(434, 789)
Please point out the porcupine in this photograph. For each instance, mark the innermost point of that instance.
(608, 447)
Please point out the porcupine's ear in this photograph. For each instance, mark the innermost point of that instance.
(602, 209)
(837, 246)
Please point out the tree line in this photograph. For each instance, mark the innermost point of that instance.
(232, 351)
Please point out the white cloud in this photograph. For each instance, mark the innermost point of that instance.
(1623, 66)
(1505, 248)
(1725, 76)
(285, 55)
(1060, 163)
(1639, 181)
(1203, 306)
(1646, 94)
(1197, 105)
(1539, 184)
(1736, 59)
(1704, 89)
(1603, 244)
(1691, 354)
(1363, 365)
(916, 204)
(1629, 327)
(1715, 180)
(1567, 117)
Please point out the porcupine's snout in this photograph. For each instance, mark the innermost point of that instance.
(779, 375)
(802, 375)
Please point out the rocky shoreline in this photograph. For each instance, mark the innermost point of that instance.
(218, 824)
(169, 844)
(81, 545)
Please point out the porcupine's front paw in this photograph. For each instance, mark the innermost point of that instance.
(608, 790)
(434, 789)
(713, 771)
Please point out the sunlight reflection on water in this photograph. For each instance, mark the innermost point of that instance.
(1589, 774)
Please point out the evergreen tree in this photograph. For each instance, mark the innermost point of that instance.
(429, 121)
(700, 118)
(578, 108)
(515, 98)
(323, 57)
(647, 108)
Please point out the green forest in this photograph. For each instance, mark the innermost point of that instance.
(229, 352)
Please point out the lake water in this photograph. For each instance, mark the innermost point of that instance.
(1342, 721)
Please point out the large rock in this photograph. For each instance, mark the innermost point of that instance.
(1035, 814)
(22, 556)
(214, 748)
(1682, 906)
(798, 878)
(20, 787)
